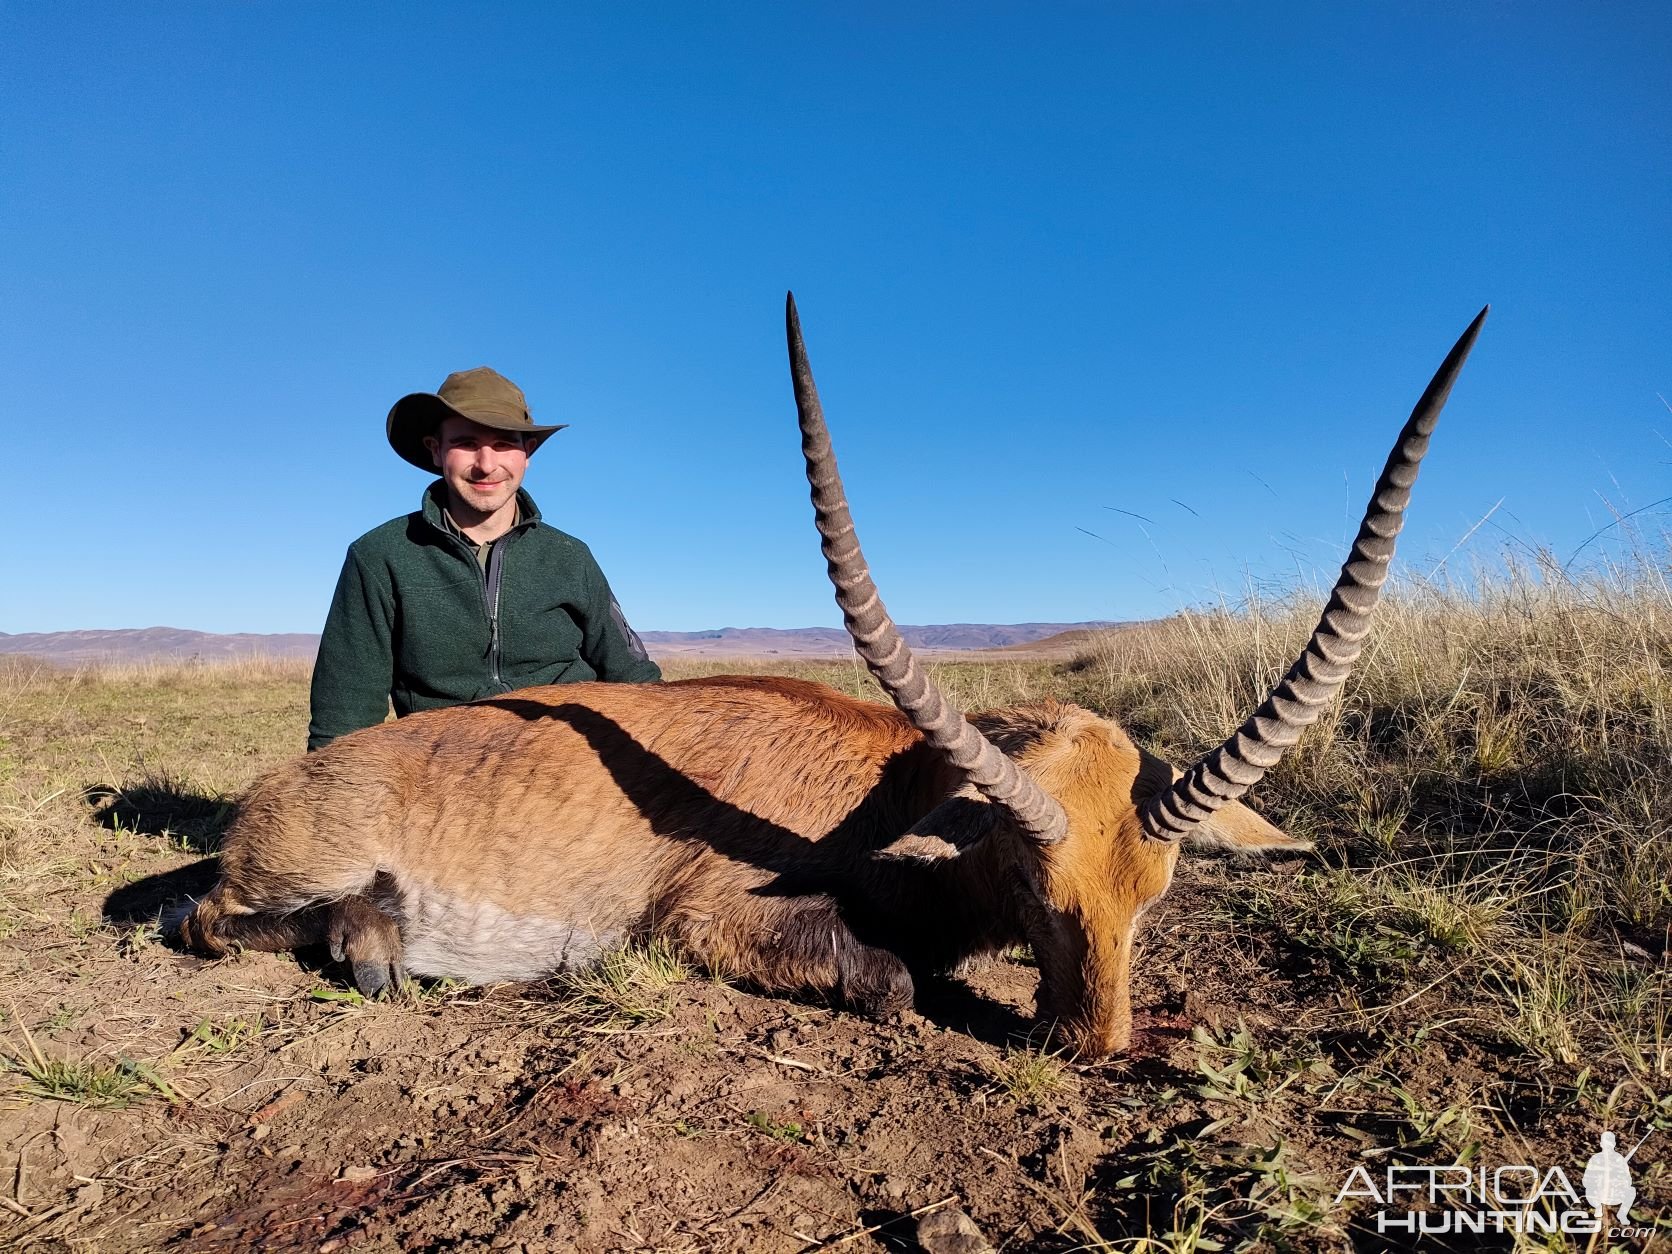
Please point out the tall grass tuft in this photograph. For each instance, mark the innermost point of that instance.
(1491, 793)
(1522, 721)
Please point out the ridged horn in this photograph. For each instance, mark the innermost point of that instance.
(1317, 675)
(878, 641)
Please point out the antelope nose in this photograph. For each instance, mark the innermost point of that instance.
(1101, 1040)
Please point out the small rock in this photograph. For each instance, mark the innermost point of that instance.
(89, 1195)
(358, 1173)
(261, 1131)
(950, 1231)
(894, 1188)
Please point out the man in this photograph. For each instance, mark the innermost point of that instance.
(474, 594)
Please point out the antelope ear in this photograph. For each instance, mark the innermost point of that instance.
(1235, 828)
(951, 829)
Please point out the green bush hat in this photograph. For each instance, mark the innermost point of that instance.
(482, 395)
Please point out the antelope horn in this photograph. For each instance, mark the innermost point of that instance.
(878, 641)
(1317, 675)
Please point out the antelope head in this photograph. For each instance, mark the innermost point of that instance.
(1088, 824)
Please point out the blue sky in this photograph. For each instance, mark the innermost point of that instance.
(1193, 261)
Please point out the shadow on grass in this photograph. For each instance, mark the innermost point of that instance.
(158, 806)
(141, 901)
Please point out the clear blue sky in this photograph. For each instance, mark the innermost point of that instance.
(1049, 259)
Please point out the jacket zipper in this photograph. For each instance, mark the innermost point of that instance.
(490, 601)
(488, 582)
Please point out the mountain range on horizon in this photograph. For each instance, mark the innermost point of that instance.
(135, 644)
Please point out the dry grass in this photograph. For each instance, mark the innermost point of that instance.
(1490, 796)
(974, 685)
(214, 672)
(1029, 1075)
(1525, 723)
(631, 984)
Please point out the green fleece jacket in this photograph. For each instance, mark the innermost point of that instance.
(417, 621)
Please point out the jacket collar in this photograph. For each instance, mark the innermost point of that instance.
(433, 508)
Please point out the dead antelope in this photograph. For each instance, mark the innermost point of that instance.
(775, 830)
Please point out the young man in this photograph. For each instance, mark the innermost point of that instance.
(474, 594)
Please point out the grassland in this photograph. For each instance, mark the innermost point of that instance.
(1472, 969)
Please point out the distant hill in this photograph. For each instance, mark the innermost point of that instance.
(137, 644)
(1067, 644)
(179, 644)
(834, 642)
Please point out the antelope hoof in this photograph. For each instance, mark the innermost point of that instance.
(877, 985)
(369, 942)
(373, 978)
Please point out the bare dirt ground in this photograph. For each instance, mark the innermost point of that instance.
(152, 1101)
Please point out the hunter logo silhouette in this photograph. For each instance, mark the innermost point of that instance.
(1608, 1178)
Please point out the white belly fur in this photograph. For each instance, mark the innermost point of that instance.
(481, 943)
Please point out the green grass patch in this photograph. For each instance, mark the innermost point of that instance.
(632, 984)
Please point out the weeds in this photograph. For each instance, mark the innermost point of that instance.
(1451, 918)
(428, 994)
(632, 983)
(778, 1130)
(1340, 918)
(61, 1018)
(1221, 1197)
(140, 939)
(219, 1038)
(82, 1081)
(342, 996)
(1237, 1069)
(1565, 1001)
(1420, 1129)
(1028, 1076)
(1547, 996)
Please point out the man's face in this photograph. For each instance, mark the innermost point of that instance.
(483, 468)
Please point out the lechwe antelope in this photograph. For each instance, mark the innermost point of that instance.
(774, 829)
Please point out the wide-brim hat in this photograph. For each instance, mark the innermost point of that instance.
(482, 395)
